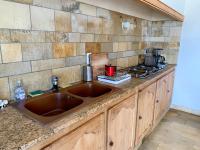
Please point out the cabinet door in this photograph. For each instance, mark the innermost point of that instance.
(121, 125)
(170, 86)
(161, 103)
(163, 96)
(145, 111)
(89, 136)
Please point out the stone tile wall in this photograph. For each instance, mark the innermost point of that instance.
(41, 38)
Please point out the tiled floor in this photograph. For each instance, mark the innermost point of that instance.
(177, 131)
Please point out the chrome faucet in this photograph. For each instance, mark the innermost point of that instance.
(54, 81)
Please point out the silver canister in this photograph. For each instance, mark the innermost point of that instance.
(87, 73)
(88, 70)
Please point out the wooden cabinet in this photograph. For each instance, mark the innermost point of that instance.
(121, 125)
(159, 5)
(145, 111)
(89, 136)
(163, 96)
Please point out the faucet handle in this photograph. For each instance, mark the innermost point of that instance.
(54, 80)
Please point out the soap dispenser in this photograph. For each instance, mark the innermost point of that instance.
(88, 70)
(20, 93)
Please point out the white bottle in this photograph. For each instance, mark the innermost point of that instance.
(20, 93)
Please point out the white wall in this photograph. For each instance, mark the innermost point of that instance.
(176, 4)
(187, 81)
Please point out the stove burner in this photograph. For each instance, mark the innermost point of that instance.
(142, 71)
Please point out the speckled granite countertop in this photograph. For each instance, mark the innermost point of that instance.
(20, 132)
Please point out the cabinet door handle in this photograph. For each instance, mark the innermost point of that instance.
(111, 143)
(157, 101)
(168, 91)
(140, 117)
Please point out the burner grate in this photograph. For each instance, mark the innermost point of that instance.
(142, 71)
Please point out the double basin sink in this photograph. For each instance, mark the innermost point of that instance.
(49, 107)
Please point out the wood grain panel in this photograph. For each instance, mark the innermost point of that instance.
(89, 136)
(156, 4)
(163, 96)
(122, 124)
(145, 111)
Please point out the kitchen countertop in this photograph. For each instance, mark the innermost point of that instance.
(20, 132)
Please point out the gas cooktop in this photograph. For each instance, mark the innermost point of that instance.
(142, 71)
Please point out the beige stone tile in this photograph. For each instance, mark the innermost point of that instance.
(50, 37)
(27, 36)
(126, 54)
(122, 62)
(61, 37)
(68, 75)
(171, 51)
(11, 52)
(4, 35)
(103, 13)
(115, 47)
(18, 14)
(64, 49)
(155, 39)
(113, 62)
(117, 27)
(103, 38)
(107, 26)
(4, 88)
(123, 46)
(35, 51)
(87, 37)
(133, 61)
(112, 55)
(14, 68)
(95, 25)
(22, 1)
(63, 21)
(55, 4)
(171, 59)
(65, 5)
(146, 31)
(32, 81)
(175, 31)
(173, 45)
(157, 24)
(74, 37)
(106, 47)
(137, 30)
(87, 9)
(160, 31)
(93, 47)
(42, 19)
(74, 61)
(134, 45)
(157, 44)
(80, 49)
(39, 65)
(79, 23)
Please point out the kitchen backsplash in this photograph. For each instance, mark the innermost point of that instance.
(41, 38)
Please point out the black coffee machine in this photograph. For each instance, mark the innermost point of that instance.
(153, 58)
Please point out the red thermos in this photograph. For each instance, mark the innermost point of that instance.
(110, 70)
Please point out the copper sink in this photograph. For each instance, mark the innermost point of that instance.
(90, 89)
(52, 104)
(48, 107)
